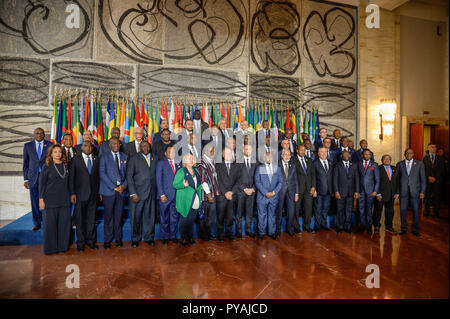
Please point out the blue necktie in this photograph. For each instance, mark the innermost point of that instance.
(346, 167)
(89, 165)
(408, 168)
(303, 165)
(39, 150)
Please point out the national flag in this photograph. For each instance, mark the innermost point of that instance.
(150, 121)
(132, 119)
(69, 116)
(306, 122)
(171, 117)
(54, 119)
(92, 119)
(76, 122)
(300, 111)
(58, 133)
(111, 114)
(81, 122)
(317, 125)
(287, 124)
(157, 120)
(137, 116)
(64, 119)
(86, 114)
(122, 119)
(207, 116)
(282, 119)
(100, 131)
(258, 123)
(203, 111)
(126, 127)
(310, 129)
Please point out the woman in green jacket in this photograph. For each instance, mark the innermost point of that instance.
(187, 182)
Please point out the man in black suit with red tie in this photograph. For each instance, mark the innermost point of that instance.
(84, 184)
(387, 194)
(34, 154)
(434, 171)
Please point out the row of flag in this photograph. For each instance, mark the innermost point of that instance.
(73, 114)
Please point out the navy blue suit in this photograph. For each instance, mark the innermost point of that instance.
(410, 188)
(32, 166)
(267, 206)
(357, 156)
(287, 196)
(112, 200)
(338, 153)
(324, 188)
(369, 182)
(346, 183)
(168, 214)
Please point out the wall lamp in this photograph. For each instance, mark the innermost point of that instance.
(386, 112)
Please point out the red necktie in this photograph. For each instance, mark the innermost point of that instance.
(389, 174)
(365, 165)
(171, 165)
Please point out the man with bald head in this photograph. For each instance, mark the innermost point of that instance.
(132, 148)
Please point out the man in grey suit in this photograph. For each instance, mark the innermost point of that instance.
(141, 177)
(412, 189)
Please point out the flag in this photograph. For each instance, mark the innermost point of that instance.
(122, 119)
(207, 116)
(92, 119)
(298, 122)
(287, 124)
(81, 127)
(301, 125)
(171, 118)
(317, 125)
(176, 120)
(132, 120)
(282, 126)
(258, 122)
(100, 132)
(76, 122)
(126, 127)
(306, 122)
(250, 117)
(137, 116)
(69, 117)
(293, 123)
(203, 111)
(150, 121)
(236, 119)
(310, 129)
(111, 115)
(86, 114)
(54, 119)
(64, 119)
(58, 133)
(157, 120)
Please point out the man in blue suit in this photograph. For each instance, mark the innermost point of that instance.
(34, 154)
(268, 182)
(324, 189)
(346, 188)
(357, 154)
(104, 147)
(344, 146)
(369, 181)
(113, 182)
(412, 186)
(288, 192)
(166, 169)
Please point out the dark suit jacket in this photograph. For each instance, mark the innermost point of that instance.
(305, 180)
(228, 182)
(104, 147)
(109, 174)
(333, 144)
(75, 153)
(289, 184)
(318, 143)
(416, 181)
(95, 149)
(388, 188)
(31, 162)
(141, 178)
(345, 184)
(164, 178)
(357, 156)
(435, 170)
(313, 155)
(81, 183)
(338, 153)
(247, 177)
(369, 180)
(324, 181)
(130, 149)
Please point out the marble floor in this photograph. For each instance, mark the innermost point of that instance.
(323, 265)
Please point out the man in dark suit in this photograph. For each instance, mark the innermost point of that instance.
(324, 189)
(113, 183)
(247, 191)
(434, 171)
(84, 185)
(132, 148)
(268, 182)
(228, 178)
(224, 132)
(159, 148)
(199, 125)
(369, 181)
(309, 153)
(344, 146)
(34, 154)
(322, 135)
(195, 148)
(288, 195)
(306, 179)
(162, 126)
(289, 135)
(387, 194)
(166, 169)
(412, 185)
(284, 146)
(104, 147)
(141, 177)
(335, 141)
(331, 154)
(346, 188)
(71, 152)
(87, 136)
(357, 154)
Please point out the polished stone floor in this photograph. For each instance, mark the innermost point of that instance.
(323, 265)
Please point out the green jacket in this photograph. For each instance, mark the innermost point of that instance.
(185, 195)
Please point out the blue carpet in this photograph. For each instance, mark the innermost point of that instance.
(19, 231)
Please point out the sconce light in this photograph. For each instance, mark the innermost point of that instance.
(387, 113)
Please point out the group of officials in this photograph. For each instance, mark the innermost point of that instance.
(214, 174)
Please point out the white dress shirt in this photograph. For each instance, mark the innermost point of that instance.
(85, 158)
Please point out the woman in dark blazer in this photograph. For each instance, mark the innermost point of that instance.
(54, 200)
(188, 200)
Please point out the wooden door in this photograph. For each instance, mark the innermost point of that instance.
(439, 135)
(416, 139)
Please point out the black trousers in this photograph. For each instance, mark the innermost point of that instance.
(433, 197)
(113, 217)
(388, 212)
(225, 211)
(246, 203)
(207, 224)
(344, 212)
(142, 219)
(84, 212)
(56, 230)
(304, 204)
(187, 224)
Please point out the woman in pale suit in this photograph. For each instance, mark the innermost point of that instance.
(187, 182)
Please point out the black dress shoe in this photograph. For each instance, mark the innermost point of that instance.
(307, 230)
(261, 237)
(134, 244)
(107, 245)
(150, 242)
(292, 234)
(192, 241)
(359, 229)
(273, 236)
(184, 243)
(92, 246)
(174, 240)
(338, 230)
(415, 233)
(391, 230)
(326, 228)
(239, 236)
(119, 243)
(297, 231)
(348, 231)
(80, 247)
(369, 231)
(221, 239)
(211, 237)
(36, 227)
(252, 235)
(426, 213)
(165, 241)
(402, 232)
(231, 237)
